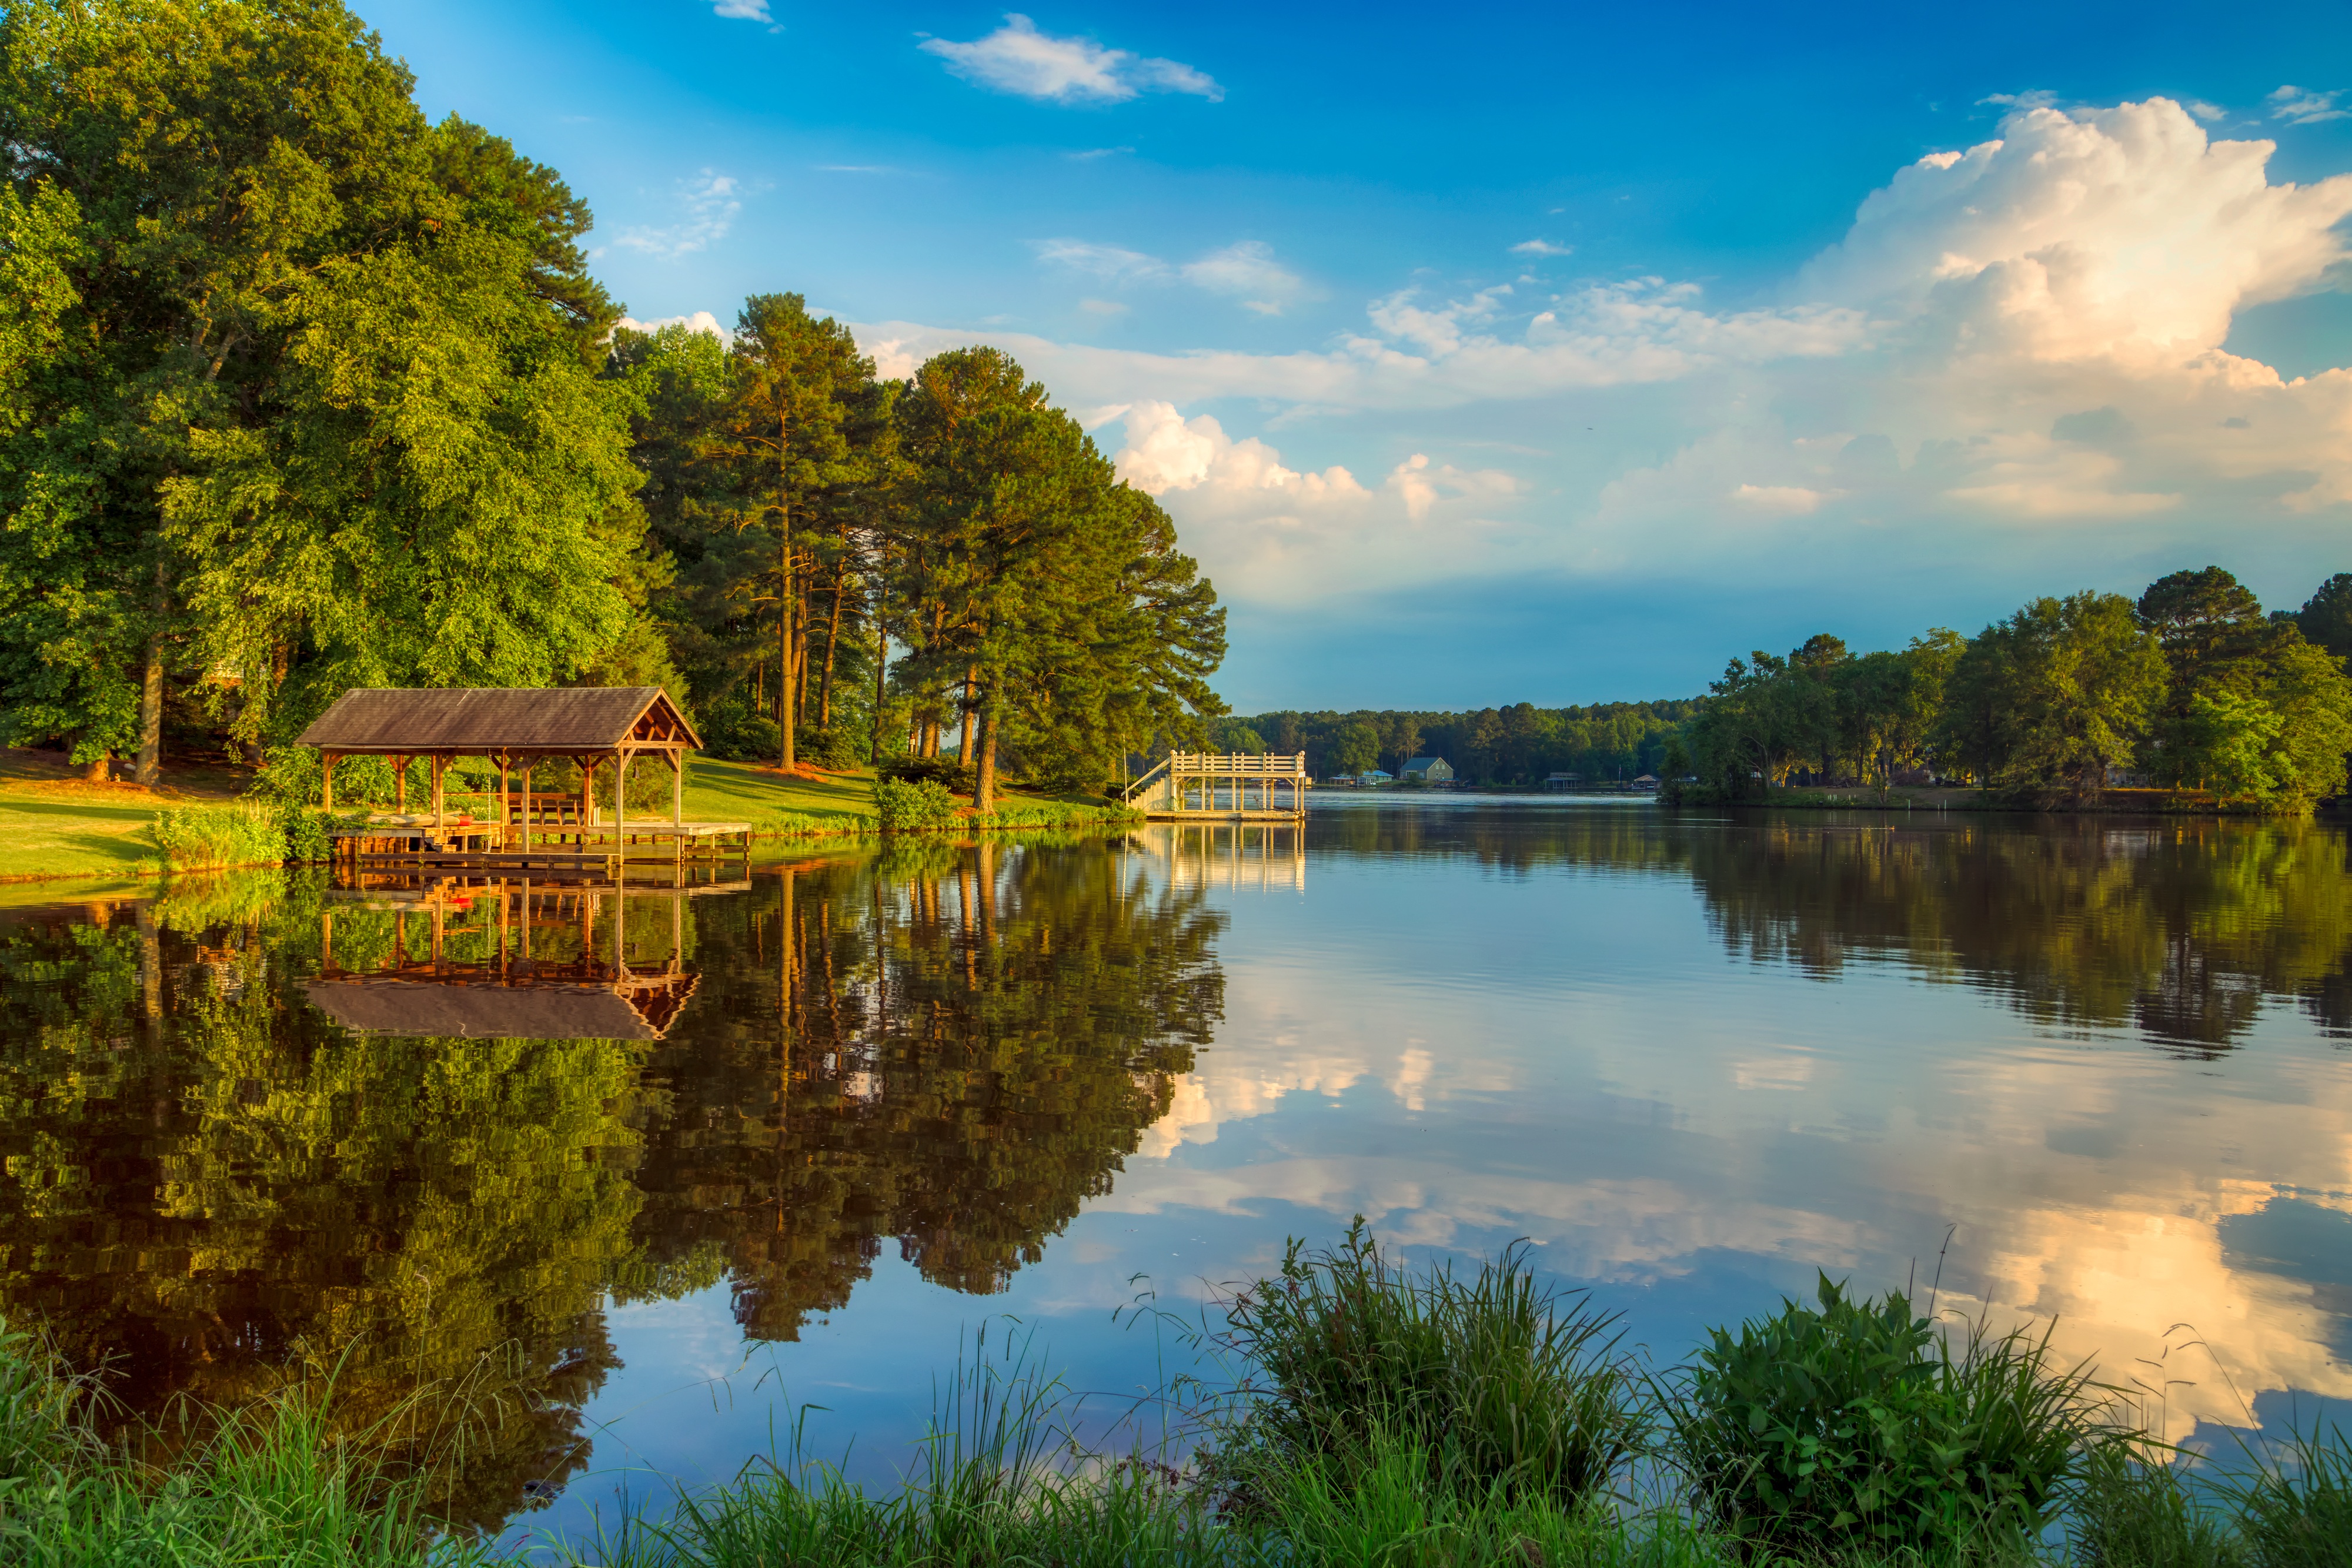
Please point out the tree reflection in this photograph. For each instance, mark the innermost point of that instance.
(210, 1187)
(951, 1049)
(2182, 928)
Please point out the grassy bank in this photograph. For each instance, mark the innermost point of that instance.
(109, 838)
(1385, 1417)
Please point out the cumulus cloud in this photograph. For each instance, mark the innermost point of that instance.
(709, 201)
(1541, 247)
(743, 10)
(697, 321)
(2025, 335)
(1017, 58)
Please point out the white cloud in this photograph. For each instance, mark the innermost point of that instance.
(1245, 268)
(2025, 337)
(1018, 59)
(1541, 247)
(1102, 306)
(1101, 260)
(710, 201)
(2298, 106)
(1089, 154)
(743, 10)
(1784, 500)
(698, 321)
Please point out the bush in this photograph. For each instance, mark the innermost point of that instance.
(740, 734)
(943, 770)
(1502, 1387)
(836, 750)
(200, 838)
(1854, 1424)
(917, 808)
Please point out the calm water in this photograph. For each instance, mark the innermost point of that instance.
(828, 1124)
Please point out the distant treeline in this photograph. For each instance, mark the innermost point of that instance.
(1521, 744)
(2192, 686)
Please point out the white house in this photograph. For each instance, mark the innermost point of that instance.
(1426, 771)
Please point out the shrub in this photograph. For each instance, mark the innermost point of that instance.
(198, 838)
(917, 808)
(943, 770)
(1854, 1424)
(740, 734)
(1500, 1385)
(836, 750)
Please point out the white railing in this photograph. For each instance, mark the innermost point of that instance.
(1237, 765)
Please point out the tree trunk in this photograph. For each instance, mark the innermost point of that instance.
(97, 770)
(785, 717)
(881, 677)
(151, 692)
(983, 783)
(833, 634)
(963, 746)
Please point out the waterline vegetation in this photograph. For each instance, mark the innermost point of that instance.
(1384, 1415)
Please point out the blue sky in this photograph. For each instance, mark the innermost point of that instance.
(1549, 354)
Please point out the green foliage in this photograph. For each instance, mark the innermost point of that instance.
(204, 837)
(836, 748)
(1503, 1388)
(922, 806)
(1852, 1424)
(2326, 618)
(945, 770)
(2136, 1510)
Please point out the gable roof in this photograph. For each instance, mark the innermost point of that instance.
(1420, 764)
(497, 718)
(496, 1012)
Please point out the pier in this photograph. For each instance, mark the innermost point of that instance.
(1239, 786)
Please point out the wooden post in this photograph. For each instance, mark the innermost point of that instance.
(440, 766)
(400, 785)
(326, 781)
(677, 787)
(505, 813)
(587, 797)
(526, 803)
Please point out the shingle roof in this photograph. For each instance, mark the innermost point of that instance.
(478, 720)
(492, 1011)
(1419, 763)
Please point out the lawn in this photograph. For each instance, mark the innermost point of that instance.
(53, 825)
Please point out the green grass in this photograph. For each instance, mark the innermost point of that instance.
(1374, 1432)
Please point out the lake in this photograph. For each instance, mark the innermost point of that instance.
(648, 1175)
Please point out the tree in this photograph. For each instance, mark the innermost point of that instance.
(2058, 694)
(295, 338)
(2326, 618)
(797, 428)
(1355, 749)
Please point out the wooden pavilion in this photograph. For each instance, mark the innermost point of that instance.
(514, 728)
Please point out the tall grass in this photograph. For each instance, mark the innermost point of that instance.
(1394, 1419)
(1502, 1386)
(270, 1485)
(212, 838)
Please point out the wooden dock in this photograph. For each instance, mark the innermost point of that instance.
(1238, 787)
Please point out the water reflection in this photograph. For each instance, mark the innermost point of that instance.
(454, 1131)
(209, 1177)
(2180, 929)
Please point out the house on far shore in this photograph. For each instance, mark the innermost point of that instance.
(1646, 782)
(1426, 771)
(1372, 778)
(1563, 783)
